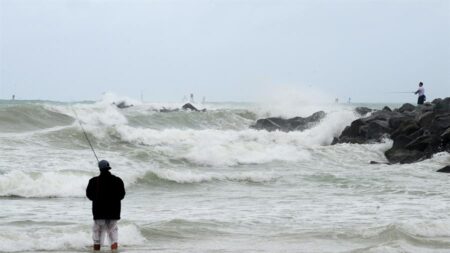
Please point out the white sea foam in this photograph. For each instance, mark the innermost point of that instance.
(60, 238)
(216, 148)
(70, 184)
(402, 247)
(430, 229)
(95, 116)
(64, 178)
(189, 176)
(100, 115)
(329, 127)
(47, 184)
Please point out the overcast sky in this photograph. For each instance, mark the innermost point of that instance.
(225, 50)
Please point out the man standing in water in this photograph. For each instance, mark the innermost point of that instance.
(421, 92)
(105, 191)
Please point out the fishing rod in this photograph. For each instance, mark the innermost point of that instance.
(85, 134)
(398, 92)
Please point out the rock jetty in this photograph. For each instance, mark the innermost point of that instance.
(417, 132)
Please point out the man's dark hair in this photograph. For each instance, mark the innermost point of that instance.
(420, 84)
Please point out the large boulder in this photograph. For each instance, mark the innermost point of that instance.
(446, 169)
(397, 120)
(442, 105)
(406, 108)
(425, 119)
(169, 110)
(427, 107)
(401, 155)
(189, 106)
(382, 115)
(377, 129)
(369, 129)
(271, 124)
(363, 110)
(405, 128)
(436, 101)
(445, 136)
(300, 124)
(286, 125)
(387, 109)
(401, 141)
(420, 143)
(122, 104)
(441, 122)
(353, 133)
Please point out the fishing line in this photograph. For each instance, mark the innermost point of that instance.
(397, 92)
(85, 135)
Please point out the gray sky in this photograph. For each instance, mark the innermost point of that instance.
(224, 50)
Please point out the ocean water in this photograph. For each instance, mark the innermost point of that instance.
(206, 182)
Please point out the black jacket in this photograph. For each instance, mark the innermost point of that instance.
(105, 191)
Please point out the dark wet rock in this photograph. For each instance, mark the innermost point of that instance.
(381, 115)
(402, 141)
(335, 141)
(377, 129)
(122, 105)
(169, 110)
(271, 124)
(189, 106)
(185, 107)
(441, 122)
(445, 136)
(396, 121)
(420, 143)
(300, 124)
(363, 110)
(352, 133)
(446, 169)
(405, 128)
(387, 109)
(401, 155)
(425, 119)
(417, 132)
(286, 125)
(375, 162)
(442, 106)
(436, 101)
(407, 108)
(427, 107)
(369, 129)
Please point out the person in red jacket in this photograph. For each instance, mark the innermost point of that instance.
(106, 192)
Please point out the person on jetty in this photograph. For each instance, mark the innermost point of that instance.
(105, 191)
(421, 92)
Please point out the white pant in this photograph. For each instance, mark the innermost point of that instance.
(103, 227)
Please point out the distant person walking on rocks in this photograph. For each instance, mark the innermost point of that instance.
(421, 93)
(105, 191)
